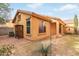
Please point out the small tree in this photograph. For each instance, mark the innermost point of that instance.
(4, 12)
(2, 21)
(75, 23)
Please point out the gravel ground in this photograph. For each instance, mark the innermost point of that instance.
(61, 46)
(23, 47)
(18, 43)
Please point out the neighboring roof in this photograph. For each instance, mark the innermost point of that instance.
(46, 18)
(69, 21)
(7, 24)
(57, 18)
(32, 14)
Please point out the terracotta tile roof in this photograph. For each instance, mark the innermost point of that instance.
(32, 14)
(44, 17)
(57, 18)
(7, 24)
(69, 21)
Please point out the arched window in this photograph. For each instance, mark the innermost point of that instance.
(42, 27)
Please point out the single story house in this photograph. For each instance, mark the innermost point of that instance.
(69, 28)
(34, 26)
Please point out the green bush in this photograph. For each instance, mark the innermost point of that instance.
(45, 50)
(6, 50)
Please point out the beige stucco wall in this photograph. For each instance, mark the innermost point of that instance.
(69, 31)
(35, 29)
(71, 27)
(53, 28)
(22, 22)
(62, 28)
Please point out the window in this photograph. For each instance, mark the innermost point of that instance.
(59, 28)
(42, 27)
(28, 25)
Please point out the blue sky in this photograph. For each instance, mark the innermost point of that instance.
(64, 11)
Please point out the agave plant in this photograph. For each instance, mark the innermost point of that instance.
(45, 50)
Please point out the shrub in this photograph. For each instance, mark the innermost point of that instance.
(6, 50)
(11, 34)
(45, 50)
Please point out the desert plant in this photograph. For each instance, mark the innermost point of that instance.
(45, 50)
(6, 50)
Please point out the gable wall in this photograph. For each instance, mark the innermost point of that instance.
(22, 22)
(35, 29)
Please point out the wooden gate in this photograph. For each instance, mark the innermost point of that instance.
(19, 31)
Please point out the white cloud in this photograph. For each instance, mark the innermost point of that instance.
(67, 7)
(34, 6)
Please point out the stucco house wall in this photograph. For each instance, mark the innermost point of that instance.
(35, 28)
(52, 27)
(22, 22)
(69, 29)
